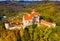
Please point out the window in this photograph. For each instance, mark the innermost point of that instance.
(29, 21)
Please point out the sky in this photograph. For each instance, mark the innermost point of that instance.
(27, 0)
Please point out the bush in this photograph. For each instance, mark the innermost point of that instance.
(41, 33)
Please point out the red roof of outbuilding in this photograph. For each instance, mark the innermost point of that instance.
(45, 22)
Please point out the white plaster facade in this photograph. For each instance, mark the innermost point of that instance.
(26, 22)
(30, 22)
(7, 26)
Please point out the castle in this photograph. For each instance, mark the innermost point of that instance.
(28, 19)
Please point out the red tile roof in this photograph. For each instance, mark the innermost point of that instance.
(29, 16)
(33, 14)
(45, 22)
(16, 21)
